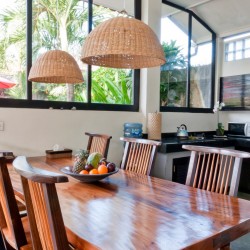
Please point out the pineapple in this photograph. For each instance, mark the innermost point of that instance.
(80, 161)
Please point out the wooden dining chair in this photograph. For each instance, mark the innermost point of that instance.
(139, 154)
(43, 206)
(215, 169)
(14, 229)
(98, 143)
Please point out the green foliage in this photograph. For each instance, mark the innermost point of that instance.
(173, 74)
(113, 86)
(18, 91)
(59, 24)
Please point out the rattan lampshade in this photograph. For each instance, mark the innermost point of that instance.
(123, 42)
(55, 66)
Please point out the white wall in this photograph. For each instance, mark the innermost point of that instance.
(31, 131)
(238, 67)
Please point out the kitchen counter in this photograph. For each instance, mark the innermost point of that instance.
(172, 161)
(173, 144)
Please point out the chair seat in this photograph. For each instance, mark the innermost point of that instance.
(9, 236)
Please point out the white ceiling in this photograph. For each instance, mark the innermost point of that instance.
(119, 5)
(225, 17)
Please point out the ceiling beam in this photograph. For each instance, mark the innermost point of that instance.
(190, 7)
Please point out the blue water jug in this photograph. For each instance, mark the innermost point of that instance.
(133, 130)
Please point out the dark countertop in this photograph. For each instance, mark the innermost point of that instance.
(173, 144)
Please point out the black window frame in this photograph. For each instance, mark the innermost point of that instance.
(188, 108)
(41, 104)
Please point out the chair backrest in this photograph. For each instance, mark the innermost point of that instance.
(10, 220)
(215, 169)
(98, 143)
(139, 154)
(43, 206)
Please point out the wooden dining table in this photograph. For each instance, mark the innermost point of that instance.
(132, 211)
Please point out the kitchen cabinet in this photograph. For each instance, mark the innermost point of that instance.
(172, 161)
(180, 169)
(244, 185)
(164, 165)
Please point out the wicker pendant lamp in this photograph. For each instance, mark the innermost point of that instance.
(123, 42)
(55, 66)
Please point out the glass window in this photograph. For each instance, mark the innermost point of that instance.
(200, 66)
(247, 43)
(174, 72)
(247, 53)
(237, 47)
(238, 55)
(54, 27)
(109, 85)
(187, 78)
(230, 56)
(12, 49)
(230, 47)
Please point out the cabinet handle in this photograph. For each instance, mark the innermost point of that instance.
(174, 168)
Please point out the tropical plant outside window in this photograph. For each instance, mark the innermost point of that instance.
(59, 24)
(187, 78)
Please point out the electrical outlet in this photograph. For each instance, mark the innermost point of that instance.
(1, 126)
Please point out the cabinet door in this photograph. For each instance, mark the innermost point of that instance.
(244, 185)
(180, 168)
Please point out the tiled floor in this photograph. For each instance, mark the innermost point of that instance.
(242, 243)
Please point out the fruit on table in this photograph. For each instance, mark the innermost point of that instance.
(84, 172)
(103, 161)
(102, 169)
(93, 171)
(111, 167)
(80, 161)
(88, 167)
(94, 159)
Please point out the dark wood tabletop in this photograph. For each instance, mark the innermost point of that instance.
(131, 211)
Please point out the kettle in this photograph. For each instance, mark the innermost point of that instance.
(182, 132)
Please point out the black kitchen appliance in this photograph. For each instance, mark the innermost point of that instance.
(241, 131)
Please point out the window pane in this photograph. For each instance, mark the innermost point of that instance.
(230, 47)
(247, 43)
(247, 53)
(174, 39)
(111, 86)
(201, 70)
(65, 31)
(230, 57)
(238, 55)
(239, 45)
(13, 49)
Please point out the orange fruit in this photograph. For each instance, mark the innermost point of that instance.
(84, 172)
(102, 169)
(93, 171)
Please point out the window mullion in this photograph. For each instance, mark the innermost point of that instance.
(188, 87)
(29, 47)
(89, 67)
